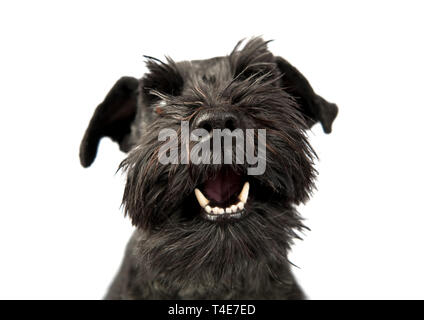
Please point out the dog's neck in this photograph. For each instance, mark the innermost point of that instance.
(161, 276)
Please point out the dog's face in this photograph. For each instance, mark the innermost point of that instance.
(210, 220)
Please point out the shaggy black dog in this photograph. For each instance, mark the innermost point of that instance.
(181, 249)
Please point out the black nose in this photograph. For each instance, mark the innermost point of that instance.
(214, 119)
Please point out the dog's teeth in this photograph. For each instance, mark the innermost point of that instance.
(244, 193)
(204, 202)
(201, 198)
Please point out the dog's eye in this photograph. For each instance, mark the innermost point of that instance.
(159, 107)
(158, 110)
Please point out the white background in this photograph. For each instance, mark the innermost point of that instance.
(62, 231)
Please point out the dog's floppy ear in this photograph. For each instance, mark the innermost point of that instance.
(315, 108)
(112, 118)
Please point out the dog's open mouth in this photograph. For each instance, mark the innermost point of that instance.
(223, 197)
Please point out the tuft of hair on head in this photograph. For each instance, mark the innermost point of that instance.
(253, 59)
(163, 77)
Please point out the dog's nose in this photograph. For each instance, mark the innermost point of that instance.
(213, 119)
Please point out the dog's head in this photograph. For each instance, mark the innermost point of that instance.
(203, 216)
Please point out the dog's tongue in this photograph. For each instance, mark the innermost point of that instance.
(221, 188)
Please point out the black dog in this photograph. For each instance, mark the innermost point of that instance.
(183, 250)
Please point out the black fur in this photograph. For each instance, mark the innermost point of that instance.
(175, 253)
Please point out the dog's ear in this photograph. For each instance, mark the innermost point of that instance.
(314, 107)
(112, 118)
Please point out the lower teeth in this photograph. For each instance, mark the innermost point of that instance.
(204, 202)
(217, 210)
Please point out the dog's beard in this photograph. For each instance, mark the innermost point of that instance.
(221, 256)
